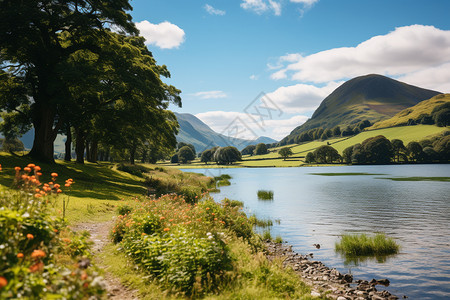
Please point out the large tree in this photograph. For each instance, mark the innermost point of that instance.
(37, 38)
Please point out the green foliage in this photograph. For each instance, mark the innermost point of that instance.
(414, 150)
(227, 155)
(363, 245)
(285, 152)
(378, 150)
(124, 209)
(261, 149)
(310, 158)
(136, 170)
(249, 150)
(265, 195)
(38, 252)
(185, 154)
(326, 154)
(11, 145)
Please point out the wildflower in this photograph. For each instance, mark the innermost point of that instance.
(84, 276)
(3, 282)
(37, 168)
(166, 229)
(30, 236)
(55, 230)
(17, 169)
(56, 186)
(162, 218)
(207, 208)
(54, 175)
(37, 195)
(86, 285)
(59, 191)
(31, 166)
(26, 169)
(37, 267)
(38, 254)
(39, 174)
(19, 255)
(0, 167)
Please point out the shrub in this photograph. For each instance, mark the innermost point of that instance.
(363, 245)
(124, 209)
(136, 170)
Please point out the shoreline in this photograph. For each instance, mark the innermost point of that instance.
(325, 281)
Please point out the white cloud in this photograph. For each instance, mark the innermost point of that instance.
(434, 78)
(262, 6)
(164, 35)
(210, 95)
(253, 77)
(222, 121)
(213, 11)
(403, 51)
(276, 7)
(305, 2)
(301, 98)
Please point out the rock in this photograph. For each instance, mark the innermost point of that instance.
(341, 298)
(384, 282)
(348, 278)
(315, 294)
(317, 246)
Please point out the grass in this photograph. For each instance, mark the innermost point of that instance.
(424, 107)
(364, 245)
(343, 174)
(443, 179)
(265, 195)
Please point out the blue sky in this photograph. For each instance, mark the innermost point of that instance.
(263, 66)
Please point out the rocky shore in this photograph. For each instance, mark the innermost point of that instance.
(325, 281)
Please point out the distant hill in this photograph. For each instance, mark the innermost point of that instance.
(194, 131)
(370, 97)
(415, 112)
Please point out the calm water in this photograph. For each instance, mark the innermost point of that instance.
(317, 209)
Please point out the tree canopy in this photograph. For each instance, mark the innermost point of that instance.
(63, 70)
(285, 152)
(261, 149)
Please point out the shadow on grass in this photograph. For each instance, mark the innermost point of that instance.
(98, 181)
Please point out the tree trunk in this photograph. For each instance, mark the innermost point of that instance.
(68, 145)
(93, 154)
(132, 153)
(144, 156)
(79, 146)
(88, 151)
(44, 136)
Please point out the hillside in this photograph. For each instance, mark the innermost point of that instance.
(413, 113)
(371, 97)
(194, 131)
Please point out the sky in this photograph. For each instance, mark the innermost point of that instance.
(250, 68)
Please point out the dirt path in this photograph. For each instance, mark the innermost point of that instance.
(99, 233)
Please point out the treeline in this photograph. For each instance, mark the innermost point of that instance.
(220, 155)
(380, 150)
(64, 71)
(326, 133)
(439, 116)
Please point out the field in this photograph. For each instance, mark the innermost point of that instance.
(272, 159)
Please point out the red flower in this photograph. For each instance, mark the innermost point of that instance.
(3, 282)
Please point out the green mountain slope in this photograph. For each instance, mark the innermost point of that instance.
(371, 97)
(413, 113)
(194, 131)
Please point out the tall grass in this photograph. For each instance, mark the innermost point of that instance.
(265, 195)
(363, 245)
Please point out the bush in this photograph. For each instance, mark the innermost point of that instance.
(124, 209)
(136, 170)
(363, 245)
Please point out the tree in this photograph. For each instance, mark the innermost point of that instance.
(174, 159)
(11, 145)
(261, 149)
(310, 158)
(207, 156)
(248, 150)
(414, 151)
(398, 148)
(378, 150)
(442, 147)
(347, 154)
(358, 154)
(326, 154)
(337, 131)
(442, 117)
(347, 131)
(36, 40)
(227, 155)
(182, 144)
(285, 152)
(186, 154)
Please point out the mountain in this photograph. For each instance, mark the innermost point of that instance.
(197, 133)
(371, 97)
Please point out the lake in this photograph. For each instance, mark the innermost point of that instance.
(315, 209)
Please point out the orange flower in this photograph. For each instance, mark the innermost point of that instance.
(38, 254)
(39, 174)
(37, 168)
(54, 174)
(0, 167)
(30, 236)
(162, 218)
(19, 255)
(3, 282)
(37, 190)
(31, 165)
(56, 186)
(37, 267)
(26, 169)
(207, 208)
(166, 229)
(84, 276)
(86, 285)
(37, 195)
(17, 169)
(50, 183)
(59, 191)
(67, 185)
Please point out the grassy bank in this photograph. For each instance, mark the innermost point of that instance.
(195, 247)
